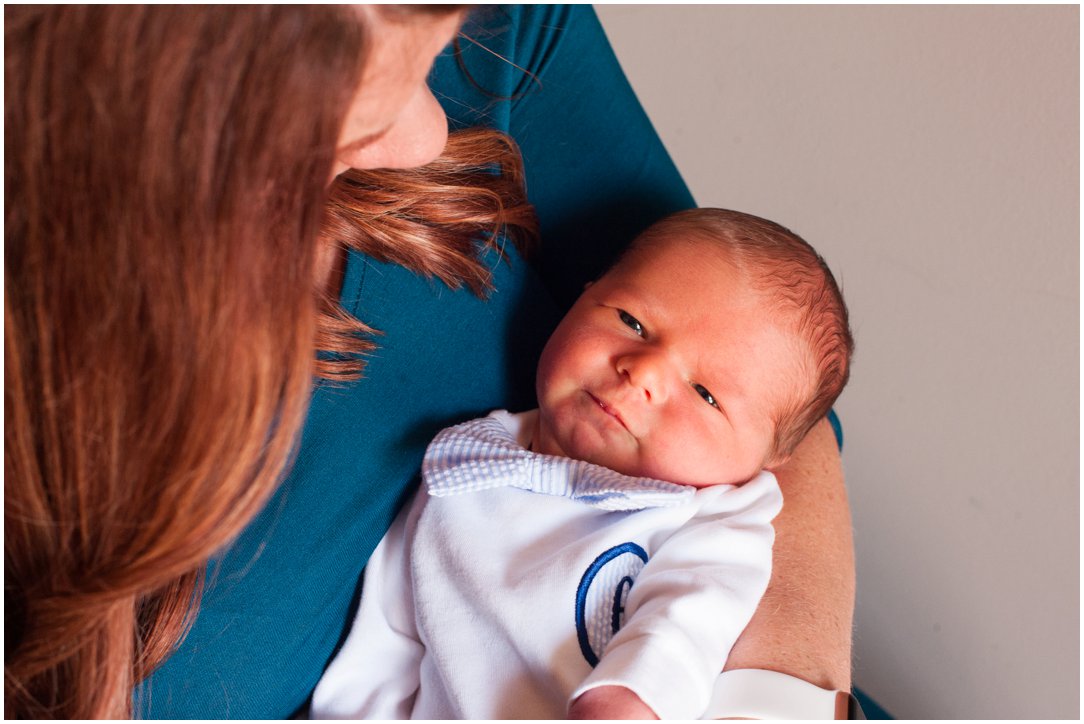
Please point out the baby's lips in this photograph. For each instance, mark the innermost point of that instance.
(610, 410)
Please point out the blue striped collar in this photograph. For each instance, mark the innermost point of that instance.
(484, 453)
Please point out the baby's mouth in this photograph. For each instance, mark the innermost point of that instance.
(610, 411)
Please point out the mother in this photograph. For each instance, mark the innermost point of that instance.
(175, 257)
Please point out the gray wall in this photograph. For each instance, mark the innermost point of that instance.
(931, 154)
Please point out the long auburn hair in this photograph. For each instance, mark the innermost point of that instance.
(165, 198)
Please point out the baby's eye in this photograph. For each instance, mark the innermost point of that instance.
(631, 322)
(708, 398)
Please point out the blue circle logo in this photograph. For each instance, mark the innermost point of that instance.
(601, 596)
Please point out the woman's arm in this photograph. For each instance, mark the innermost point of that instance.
(803, 624)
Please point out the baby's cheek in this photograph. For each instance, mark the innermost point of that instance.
(689, 457)
(666, 459)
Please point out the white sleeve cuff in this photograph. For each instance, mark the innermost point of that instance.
(761, 694)
(664, 680)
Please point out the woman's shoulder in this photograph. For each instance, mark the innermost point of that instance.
(502, 53)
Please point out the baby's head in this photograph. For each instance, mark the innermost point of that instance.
(705, 353)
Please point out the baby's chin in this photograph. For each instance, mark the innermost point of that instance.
(623, 454)
(633, 468)
(650, 469)
(605, 456)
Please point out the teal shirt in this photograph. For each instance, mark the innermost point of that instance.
(279, 600)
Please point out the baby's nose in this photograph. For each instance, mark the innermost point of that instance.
(647, 372)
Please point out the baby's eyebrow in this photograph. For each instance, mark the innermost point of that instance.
(721, 385)
(632, 298)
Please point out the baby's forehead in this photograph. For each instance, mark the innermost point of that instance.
(656, 242)
(693, 264)
(768, 279)
(700, 255)
(761, 284)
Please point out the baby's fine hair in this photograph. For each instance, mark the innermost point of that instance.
(783, 266)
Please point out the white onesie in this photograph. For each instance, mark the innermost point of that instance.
(522, 580)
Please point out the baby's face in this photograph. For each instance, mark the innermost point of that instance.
(668, 367)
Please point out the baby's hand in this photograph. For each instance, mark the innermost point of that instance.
(609, 702)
